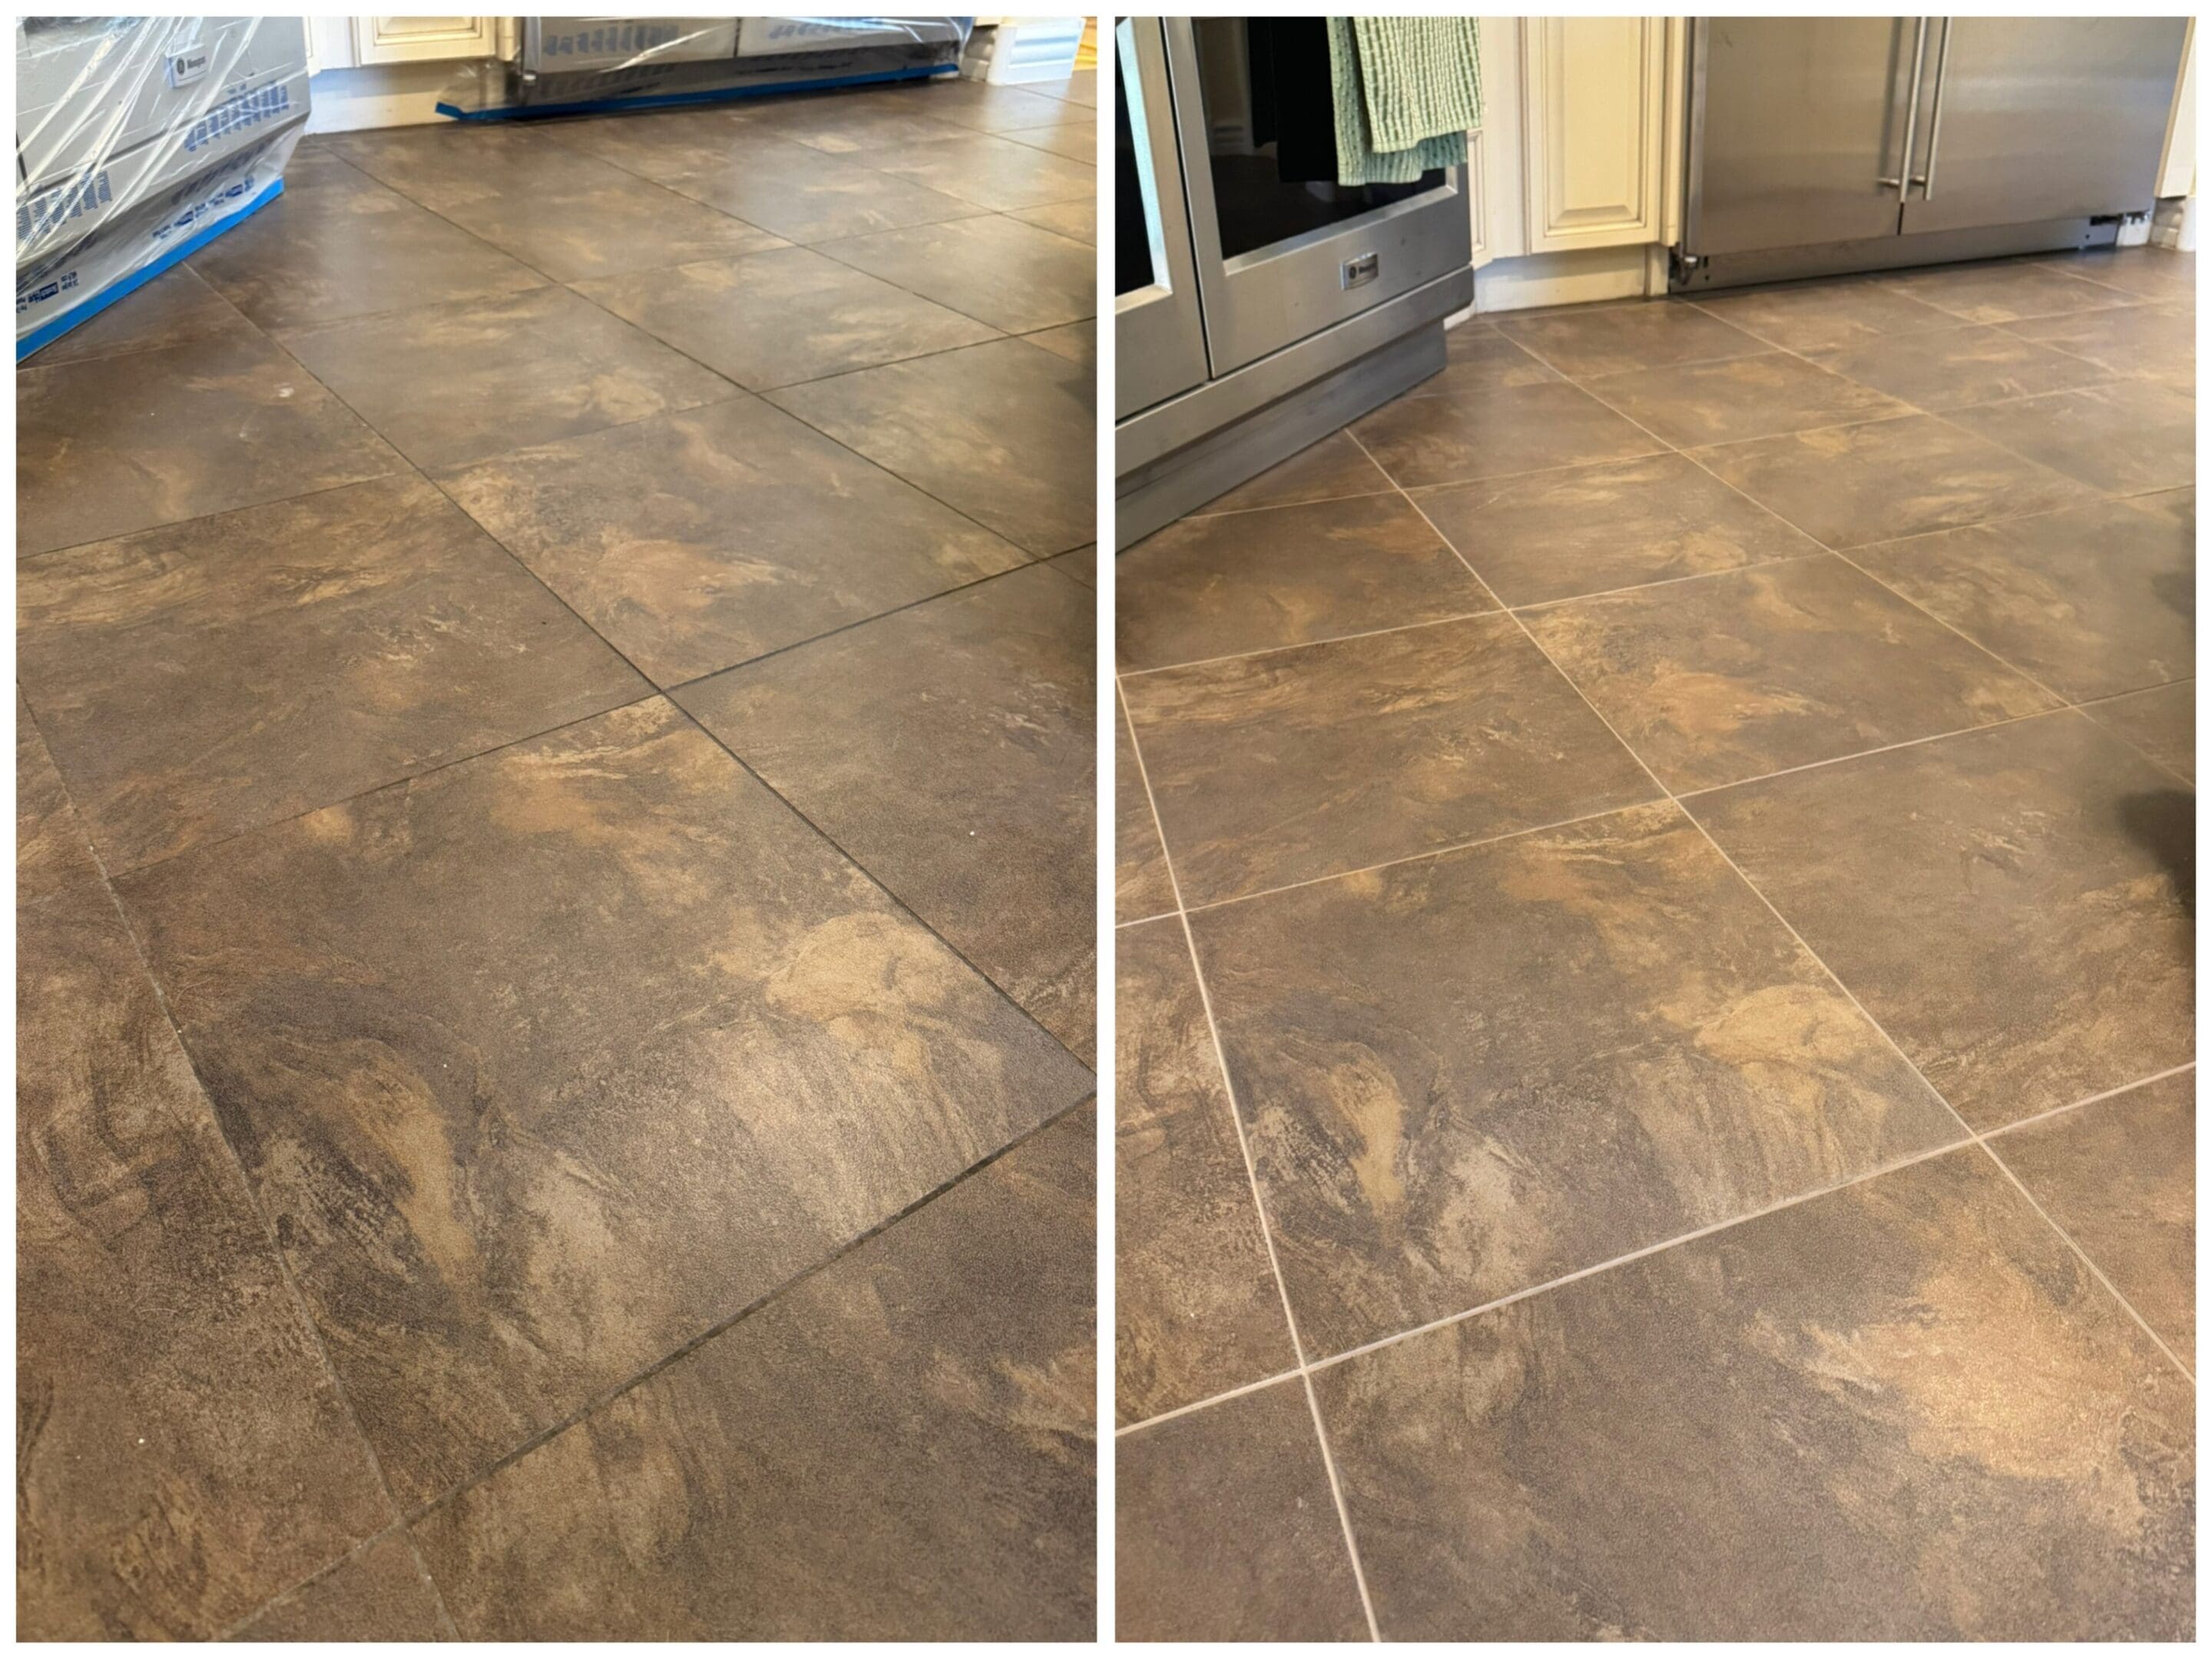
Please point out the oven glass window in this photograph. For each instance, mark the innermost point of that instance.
(1271, 133)
(1133, 242)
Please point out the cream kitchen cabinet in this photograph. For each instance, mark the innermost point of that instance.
(1577, 166)
(423, 40)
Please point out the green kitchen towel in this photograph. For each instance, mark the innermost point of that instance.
(1408, 90)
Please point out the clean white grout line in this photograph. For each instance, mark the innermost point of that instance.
(1279, 506)
(2036, 1204)
(1301, 644)
(2049, 1112)
(1236, 1393)
(1837, 980)
(1880, 749)
(1419, 857)
(2059, 701)
(1961, 1144)
(1251, 1176)
(1798, 556)
(1658, 1248)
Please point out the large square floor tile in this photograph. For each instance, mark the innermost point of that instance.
(1195, 1307)
(2012, 906)
(1142, 886)
(201, 680)
(449, 384)
(2152, 273)
(1226, 1529)
(1012, 276)
(2093, 601)
(2155, 343)
(992, 173)
(1466, 1076)
(1329, 470)
(1491, 429)
(1850, 485)
(900, 1449)
(338, 244)
(569, 215)
(1753, 671)
(1003, 432)
(804, 196)
(1824, 316)
(1074, 136)
(544, 1064)
(1478, 357)
(1620, 524)
(376, 1595)
(948, 749)
(2161, 722)
(1226, 583)
(986, 105)
(117, 444)
(1589, 340)
(1317, 759)
(1952, 367)
(1901, 1411)
(853, 123)
(775, 318)
(695, 541)
(2124, 438)
(177, 307)
(51, 849)
(2004, 292)
(1078, 220)
(1714, 403)
(2119, 1176)
(663, 144)
(182, 1453)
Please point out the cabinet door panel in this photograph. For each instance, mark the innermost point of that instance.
(421, 39)
(1593, 97)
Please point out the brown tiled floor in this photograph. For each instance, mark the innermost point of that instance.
(1656, 1068)
(517, 1134)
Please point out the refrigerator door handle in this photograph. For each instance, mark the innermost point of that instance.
(1927, 180)
(1902, 181)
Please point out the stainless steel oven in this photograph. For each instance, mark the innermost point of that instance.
(1283, 250)
(1260, 304)
(1159, 343)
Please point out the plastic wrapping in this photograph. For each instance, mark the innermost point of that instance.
(137, 139)
(570, 66)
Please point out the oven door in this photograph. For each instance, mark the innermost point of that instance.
(1159, 348)
(1283, 251)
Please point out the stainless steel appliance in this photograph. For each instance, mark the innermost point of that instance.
(1825, 145)
(1259, 304)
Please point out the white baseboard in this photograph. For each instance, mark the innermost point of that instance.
(1581, 277)
(387, 95)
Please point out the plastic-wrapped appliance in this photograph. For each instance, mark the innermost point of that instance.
(566, 64)
(137, 139)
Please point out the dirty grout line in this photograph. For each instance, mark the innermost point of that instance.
(301, 1309)
(1259, 1205)
(760, 1304)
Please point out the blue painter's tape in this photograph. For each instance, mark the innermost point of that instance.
(47, 333)
(704, 95)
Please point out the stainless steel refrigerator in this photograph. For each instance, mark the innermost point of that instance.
(1826, 144)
